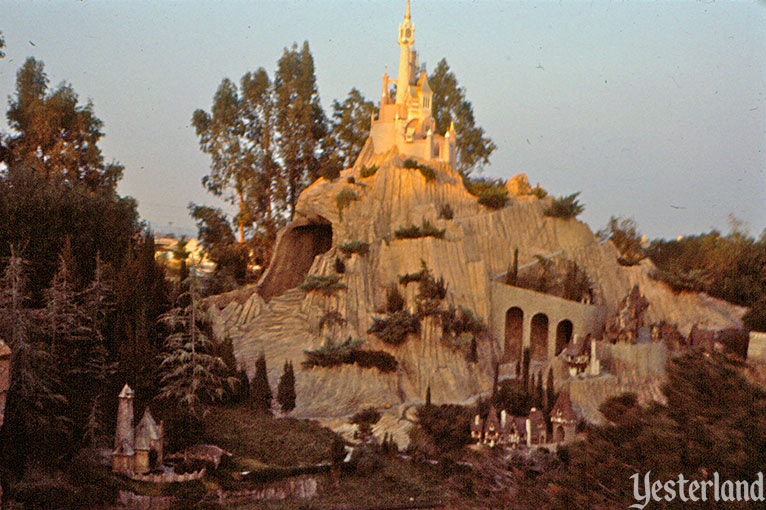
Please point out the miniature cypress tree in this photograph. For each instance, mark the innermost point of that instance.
(549, 392)
(525, 369)
(286, 388)
(261, 391)
(473, 352)
(539, 395)
(428, 397)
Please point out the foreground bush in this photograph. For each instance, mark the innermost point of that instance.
(494, 198)
(351, 247)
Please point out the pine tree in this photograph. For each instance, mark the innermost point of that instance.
(286, 389)
(35, 403)
(260, 390)
(428, 397)
(193, 378)
(539, 395)
(549, 392)
(525, 370)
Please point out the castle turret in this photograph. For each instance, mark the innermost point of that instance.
(406, 39)
(123, 453)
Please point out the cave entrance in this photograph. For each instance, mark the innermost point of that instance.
(293, 256)
(539, 336)
(514, 327)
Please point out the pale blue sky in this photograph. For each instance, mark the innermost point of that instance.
(640, 105)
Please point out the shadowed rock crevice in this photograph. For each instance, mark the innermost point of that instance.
(293, 256)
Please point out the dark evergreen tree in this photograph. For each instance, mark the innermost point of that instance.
(525, 370)
(260, 390)
(286, 389)
(550, 393)
(428, 397)
(539, 395)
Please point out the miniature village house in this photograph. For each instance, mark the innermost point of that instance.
(580, 357)
(514, 431)
(136, 450)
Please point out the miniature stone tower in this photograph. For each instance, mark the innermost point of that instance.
(123, 454)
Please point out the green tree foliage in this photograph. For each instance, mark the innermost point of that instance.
(350, 125)
(513, 397)
(193, 377)
(238, 135)
(300, 122)
(730, 267)
(624, 234)
(395, 327)
(450, 105)
(286, 389)
(55, 135)
(219, 243)
(260, 391)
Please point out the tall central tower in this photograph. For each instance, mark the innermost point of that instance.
(406, 39)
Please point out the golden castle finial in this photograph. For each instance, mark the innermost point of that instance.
(407, 14)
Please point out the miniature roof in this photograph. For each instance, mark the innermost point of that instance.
(563, 405)
(576, 347)
(126, 392)
(492, 418)
(147, 431)
(536, 418)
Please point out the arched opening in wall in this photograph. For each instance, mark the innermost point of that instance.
(539, 337)
(514, 329)
(293, 255)
(563, 335)
(558, 434)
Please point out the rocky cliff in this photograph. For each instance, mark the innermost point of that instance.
(279, 319)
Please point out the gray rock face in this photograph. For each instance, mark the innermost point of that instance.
(282, 321)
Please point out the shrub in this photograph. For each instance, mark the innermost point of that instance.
(477, 186)
(447, 425)
(394, 299)
(565, 207)
(461, 320)
(539, 192)
(427, 229)
(326, 284)
(344, 198)
(351, 247)
(414, 277)
(426, 171)
(347, 353)
(494, 198)
(331, 319)
(446, 212)
(368, 171)
(410, 163)
(350, 180)
(394, 328)
(624, 234)
(364, 420)
(431, 292)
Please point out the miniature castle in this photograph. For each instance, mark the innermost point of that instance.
(404, 121)
(136, 450)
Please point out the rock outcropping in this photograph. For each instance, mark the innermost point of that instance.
(277, 318)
